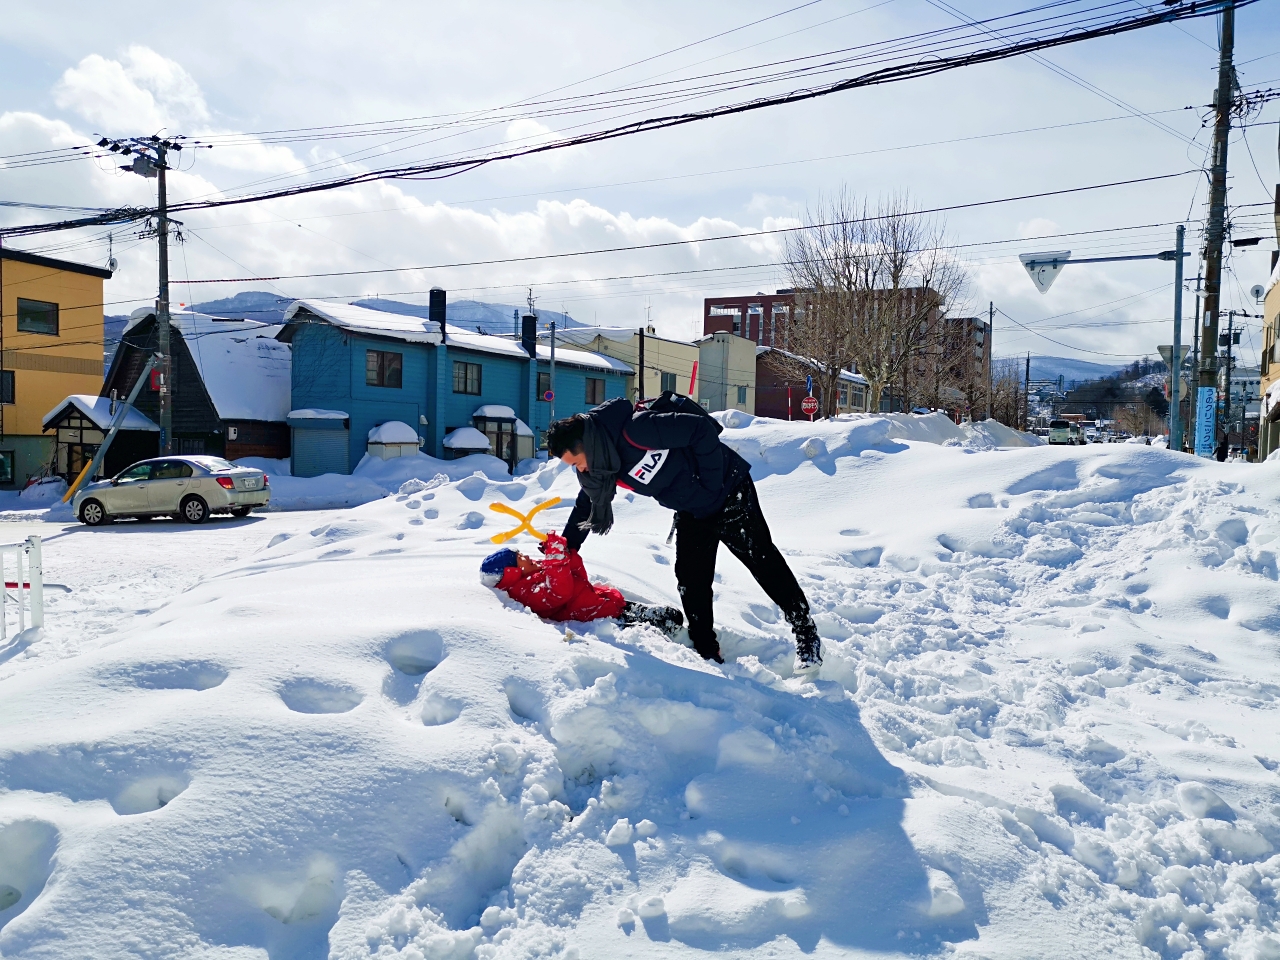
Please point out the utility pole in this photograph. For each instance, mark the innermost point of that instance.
(1226, 402)
(151, 159)
(991, 323)
(552, 412)
(162, 310)
(640, 364)
(1026, 396)
(1215, 229)
(1175, 380)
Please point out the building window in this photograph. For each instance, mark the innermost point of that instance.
(595, 391)
(36, 316)
(383, 368)
(7, 387)
(742, 394)
(668, 382)
(6, 466)
(544, 385)
(466, 377)
(843, 399)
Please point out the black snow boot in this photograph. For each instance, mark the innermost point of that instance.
(808, 646)
(667, 619)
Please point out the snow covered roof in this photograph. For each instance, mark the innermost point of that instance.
(486, 343)
(377, 323)
(494, 411)
(245, 369)
(844, 374)
(98, 409)
(466, 438)
(393, 431)
(314, 413)
(1275, 277)
(584, 358)
(522, 429)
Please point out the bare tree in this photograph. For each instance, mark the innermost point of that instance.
(1007, 392)
(871, 289)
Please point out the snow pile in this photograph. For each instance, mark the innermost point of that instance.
(1047, 716)
(993, 433)
(393, 431)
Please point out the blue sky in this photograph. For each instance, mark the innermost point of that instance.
(958, 137)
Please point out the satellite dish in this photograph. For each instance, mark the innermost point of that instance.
(1043, 268)
(112, 264)
(1257, 291)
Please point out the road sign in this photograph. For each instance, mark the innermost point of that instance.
(808, 385)
(809, 405)
(1045, 267)
(548, 396)
(1166, 354)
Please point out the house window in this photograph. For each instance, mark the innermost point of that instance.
(595, 391)
(6, 466)
(544, 385)
(383, 368)
(36, 316)
(843, 399)
(466, 377)
(7, 387)
(668, 382)
(742, 394)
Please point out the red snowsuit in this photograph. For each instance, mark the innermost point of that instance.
(559, 588)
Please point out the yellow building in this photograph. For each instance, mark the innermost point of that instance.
(50, 348)
(668, 364)
(727, 372)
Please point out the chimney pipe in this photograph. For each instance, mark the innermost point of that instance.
(529, 335)
(435, 310)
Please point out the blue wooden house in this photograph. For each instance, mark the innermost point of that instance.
(355, 369)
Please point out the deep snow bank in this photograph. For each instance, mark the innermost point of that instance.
(1046, 725)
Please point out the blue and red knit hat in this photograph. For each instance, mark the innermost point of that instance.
(495, 564)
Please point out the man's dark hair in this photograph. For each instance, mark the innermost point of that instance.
(565, 434)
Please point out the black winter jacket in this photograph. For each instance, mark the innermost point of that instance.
(676, 458)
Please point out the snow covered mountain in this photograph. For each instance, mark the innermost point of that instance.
(1046, 724)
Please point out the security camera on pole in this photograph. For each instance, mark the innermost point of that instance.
(150, 159)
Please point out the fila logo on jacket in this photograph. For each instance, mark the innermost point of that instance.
(649, 465)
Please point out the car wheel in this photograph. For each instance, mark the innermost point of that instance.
(93, 513)
(194, 510)
(240, 511)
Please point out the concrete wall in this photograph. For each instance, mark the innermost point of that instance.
(727, 366)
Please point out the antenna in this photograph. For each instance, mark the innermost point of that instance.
(111, 259)
(530, 300)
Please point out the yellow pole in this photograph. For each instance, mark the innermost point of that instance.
(71, 490)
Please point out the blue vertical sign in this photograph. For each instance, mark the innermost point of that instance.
(808, 385)
(1206, 420)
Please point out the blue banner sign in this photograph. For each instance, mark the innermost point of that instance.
(1206, 420)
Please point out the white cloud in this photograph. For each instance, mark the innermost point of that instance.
(142, 92)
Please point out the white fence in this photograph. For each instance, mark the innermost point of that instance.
(22, 574)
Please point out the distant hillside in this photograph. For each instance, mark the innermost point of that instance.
(1050, 368)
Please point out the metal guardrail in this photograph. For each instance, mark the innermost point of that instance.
(29, 581)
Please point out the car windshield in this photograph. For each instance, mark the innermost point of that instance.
(139, 471)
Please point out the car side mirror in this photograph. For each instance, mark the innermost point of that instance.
(115, 482)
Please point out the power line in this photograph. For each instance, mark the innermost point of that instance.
(882, 75)
(676, 243)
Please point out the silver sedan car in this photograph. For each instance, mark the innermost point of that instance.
(188, 487)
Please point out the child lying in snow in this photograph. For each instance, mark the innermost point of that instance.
(557, 588)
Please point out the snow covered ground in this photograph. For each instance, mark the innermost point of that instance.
(1046, 725)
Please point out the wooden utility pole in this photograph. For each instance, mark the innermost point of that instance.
(162, 310)
(1215, 229)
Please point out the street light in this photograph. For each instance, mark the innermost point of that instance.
(1043, 268)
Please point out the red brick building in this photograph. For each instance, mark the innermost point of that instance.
(759, 317)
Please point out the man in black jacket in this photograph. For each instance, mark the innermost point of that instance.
(677, 458)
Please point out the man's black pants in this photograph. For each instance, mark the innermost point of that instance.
(741, 527)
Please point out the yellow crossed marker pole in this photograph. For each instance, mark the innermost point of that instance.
(524, 518)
